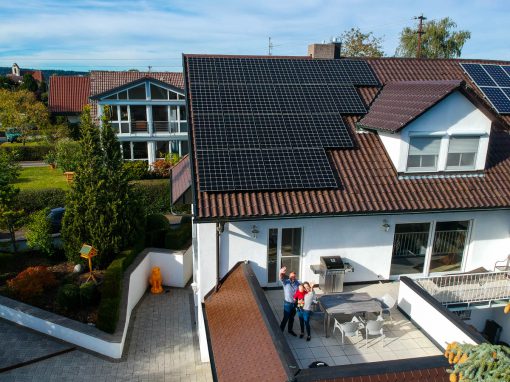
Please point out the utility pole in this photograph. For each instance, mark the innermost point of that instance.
(420, 32)
(150, 67)
(270, 47)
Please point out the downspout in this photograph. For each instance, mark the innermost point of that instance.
(220, 226)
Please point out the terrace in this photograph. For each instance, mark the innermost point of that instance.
(403, 340)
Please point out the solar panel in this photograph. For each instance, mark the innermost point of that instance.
(494, 82)
(262, 124)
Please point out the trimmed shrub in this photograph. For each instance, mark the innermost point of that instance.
(156, 229)
(35, 200)
(68, 296)
(88, 293)
(29, 152)
(31, 283)
(153, 195)
(175, 239)
(136, 170)
(108, 312)
(68, 154)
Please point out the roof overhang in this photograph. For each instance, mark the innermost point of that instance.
(130, 84)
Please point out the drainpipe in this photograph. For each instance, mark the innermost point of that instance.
(220, 226)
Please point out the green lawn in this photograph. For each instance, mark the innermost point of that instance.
(41, 177)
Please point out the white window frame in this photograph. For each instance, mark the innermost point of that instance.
(419, 170)
(460, 168)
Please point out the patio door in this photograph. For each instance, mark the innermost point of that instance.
(284, 248)
(432, 247)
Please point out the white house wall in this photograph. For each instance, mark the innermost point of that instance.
(360, 240)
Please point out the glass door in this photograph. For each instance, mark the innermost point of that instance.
(449, 246)
(409, 248)
(283, 249)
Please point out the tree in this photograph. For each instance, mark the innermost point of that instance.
(9, 216)
(29, 83)
(358, 44)
(39, 232)
(439, 40)
(7, 83)
(20, 109)
(478, 363)
(98, 210)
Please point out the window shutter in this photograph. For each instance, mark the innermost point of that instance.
(463, 145)
(424, 146)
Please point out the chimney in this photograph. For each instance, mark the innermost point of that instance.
(329, 51)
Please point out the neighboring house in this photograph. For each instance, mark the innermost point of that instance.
(401, 166)
(68, 95)
(17, 74)
(148, 109)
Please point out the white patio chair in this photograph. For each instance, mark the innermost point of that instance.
(349, 329)
(374, 328)
(387, 303)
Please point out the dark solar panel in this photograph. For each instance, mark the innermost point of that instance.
(494, 82)
(262, 124)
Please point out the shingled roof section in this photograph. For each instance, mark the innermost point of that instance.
(240, 336)
(369, 181)
(102, 81)
(68, 94)
(400, 103)
(181, 178)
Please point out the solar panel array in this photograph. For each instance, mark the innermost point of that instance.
(494, 82)
(264, 124)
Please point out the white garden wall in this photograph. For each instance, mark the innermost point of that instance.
(176, 271)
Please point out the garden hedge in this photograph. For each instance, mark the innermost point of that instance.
(153, 195)
(35, 200)
(111, 293)
(29, 152)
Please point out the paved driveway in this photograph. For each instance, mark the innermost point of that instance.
(161, 346)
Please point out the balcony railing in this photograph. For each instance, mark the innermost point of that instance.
(468, 288)
(143, 127)
(410, 244)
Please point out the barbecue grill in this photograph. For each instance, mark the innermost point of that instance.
(331, 271)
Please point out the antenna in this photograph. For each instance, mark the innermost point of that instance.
(270, 47)
(150, 67)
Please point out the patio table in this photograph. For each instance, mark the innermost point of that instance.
(347, 303)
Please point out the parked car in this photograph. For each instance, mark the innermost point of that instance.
(55, 217)
(12, 134)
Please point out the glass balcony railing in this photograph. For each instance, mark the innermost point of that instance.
(144, 127)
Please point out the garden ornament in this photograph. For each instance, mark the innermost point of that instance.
(155, 281)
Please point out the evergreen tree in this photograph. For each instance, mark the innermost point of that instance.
(29, 83)
(98, 210)
(9, 217)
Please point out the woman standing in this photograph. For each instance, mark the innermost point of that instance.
(305, 312)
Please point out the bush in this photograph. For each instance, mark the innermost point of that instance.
(136, 170)
(108, 312)
(153, 195)
(31, 283)
(88, 293)
(68, 296)
(39, 232)
(68, 154)
(35, 200)
(29, 152)
(156, 228)
(177, 238)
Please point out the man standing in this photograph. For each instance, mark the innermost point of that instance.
(290, 285)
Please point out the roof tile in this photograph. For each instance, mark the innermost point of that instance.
(68, 94)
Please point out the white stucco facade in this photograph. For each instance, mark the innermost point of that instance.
(360, 240)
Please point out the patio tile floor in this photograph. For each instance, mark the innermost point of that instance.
(402, 339)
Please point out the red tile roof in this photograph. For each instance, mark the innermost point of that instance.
(368, 181)
(242, 346)
(68, 94)
(181, 178)
(102, 81)
(399, 103)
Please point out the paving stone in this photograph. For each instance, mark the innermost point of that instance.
(161, 346)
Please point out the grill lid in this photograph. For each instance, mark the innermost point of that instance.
(332, 262)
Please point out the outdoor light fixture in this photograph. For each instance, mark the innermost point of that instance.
(386, 225)
(194, 286)
(254, 231)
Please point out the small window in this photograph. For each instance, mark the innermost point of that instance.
(140, 150)
(184, 148)
(114, 116)
(423, 154)
(123, 95)
(137, 92)
(162, 149)
(182, 113)
(158, 92)
(172, 95)
(126, 150)
(462, 153)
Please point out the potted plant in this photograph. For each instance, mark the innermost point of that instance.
(51, 159)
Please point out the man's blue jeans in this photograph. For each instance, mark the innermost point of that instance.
(289, 311)
(304, 321)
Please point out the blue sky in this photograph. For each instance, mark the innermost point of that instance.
(118, 35)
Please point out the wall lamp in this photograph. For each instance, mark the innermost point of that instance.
(254, 231)
(385, 225)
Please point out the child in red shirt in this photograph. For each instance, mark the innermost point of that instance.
(299, 297)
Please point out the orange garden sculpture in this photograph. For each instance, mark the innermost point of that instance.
(155, 281)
